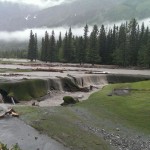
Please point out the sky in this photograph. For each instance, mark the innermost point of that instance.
(40, 3)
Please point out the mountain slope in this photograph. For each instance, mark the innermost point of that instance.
(74, 13)
(129, 9)
(10, 14)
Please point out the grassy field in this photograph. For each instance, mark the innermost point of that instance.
(99, 111)
(61, 124)
(132, 109)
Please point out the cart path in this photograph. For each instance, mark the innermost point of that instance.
(13, 130)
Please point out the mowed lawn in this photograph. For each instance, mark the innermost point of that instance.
(132, 109)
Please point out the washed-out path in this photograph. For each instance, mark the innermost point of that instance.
(13, 130)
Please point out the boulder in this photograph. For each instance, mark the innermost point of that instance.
(69, 100)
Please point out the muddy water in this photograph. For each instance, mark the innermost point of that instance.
(56, 98)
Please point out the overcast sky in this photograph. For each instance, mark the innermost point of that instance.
(40, 3)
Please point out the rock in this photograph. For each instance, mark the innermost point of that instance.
(35, 103)
(80, 96)
(117, 129)
(69, 100)
(84, 89)
(110, 94)
(1, 99)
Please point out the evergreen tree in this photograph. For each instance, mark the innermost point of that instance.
(65, 47)
(71, 48)
(80, 50)
(86, 42)
(59, 43)
(59, 52)
(93, 55)
(144, 53)
(32, 47)
(120, 54)
(102, 45)
(52, 48)
(35, 47)
(43, 50)
(46, 47)
(133, 39)
(109, 48)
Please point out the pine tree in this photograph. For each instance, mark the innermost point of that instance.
(43, 50)
(120, 54)
(46, 47)
(59, 52)
(80, 50)
(71, 49)
(109, 48)
(35, 47)
(65, 47)
(86, 42)
(52, 48)
(133, 39)
(102, 45)
(32, 47)
(93, 55)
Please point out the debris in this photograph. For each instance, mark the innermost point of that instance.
(96, 72)
(10, 112)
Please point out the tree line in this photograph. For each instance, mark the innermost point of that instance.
(124, 45)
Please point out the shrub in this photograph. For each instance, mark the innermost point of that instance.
(68, 100)
(4, 147)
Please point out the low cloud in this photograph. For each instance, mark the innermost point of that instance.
(40, 3)
(24, 35)
(77, 31)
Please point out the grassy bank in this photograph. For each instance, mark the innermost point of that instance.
(61, 124)
(132, 109)
(25, 89)
(69, 125)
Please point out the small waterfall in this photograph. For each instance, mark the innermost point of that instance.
(12, 99)
(56, 84)
(79, 81)
(48, 86)
(86, 81)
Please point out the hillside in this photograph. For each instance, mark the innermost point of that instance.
(74, 13)
(11, 13)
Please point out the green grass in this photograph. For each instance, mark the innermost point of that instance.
(132, 109)
(25, 89)
(60, 124)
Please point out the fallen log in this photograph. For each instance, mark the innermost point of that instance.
(10, 112)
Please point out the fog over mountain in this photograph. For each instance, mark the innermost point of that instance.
(18, 17)
(40, 3)
(24, 14)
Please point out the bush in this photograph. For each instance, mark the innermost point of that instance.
(68, 100)
(4, 147)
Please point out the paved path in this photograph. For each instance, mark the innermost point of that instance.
(13, 130)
